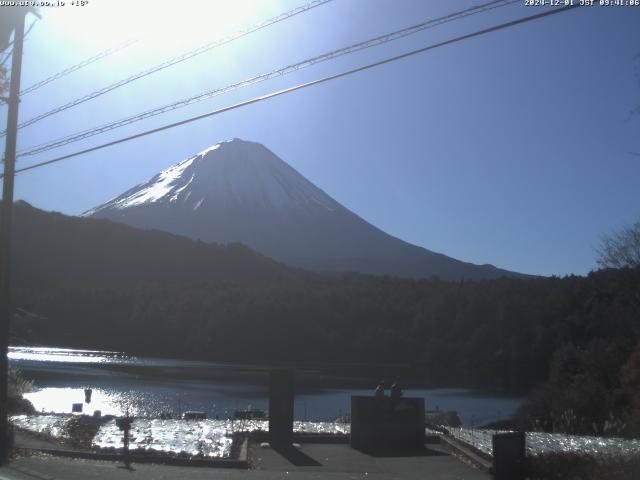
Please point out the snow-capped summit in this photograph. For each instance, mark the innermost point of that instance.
(240, 191)
(233, 173)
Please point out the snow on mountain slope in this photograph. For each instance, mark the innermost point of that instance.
(239, 191)
(241, 174)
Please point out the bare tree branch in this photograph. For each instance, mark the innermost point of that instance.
(621, 249)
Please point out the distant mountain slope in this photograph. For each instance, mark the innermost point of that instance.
(51, 249)
(239, 191)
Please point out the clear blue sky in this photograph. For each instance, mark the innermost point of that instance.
(510, 149)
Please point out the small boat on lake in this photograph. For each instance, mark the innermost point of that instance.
(194, 415)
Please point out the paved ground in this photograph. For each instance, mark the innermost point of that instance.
(311, 461)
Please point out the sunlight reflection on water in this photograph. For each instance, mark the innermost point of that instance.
(538, 443)
(204, 437)
(47, 424)
(64, 355)
(209, 438)
(109, 402)
(149, 387)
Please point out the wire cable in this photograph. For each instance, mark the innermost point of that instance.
(369, 66)
(265, 76)
(173, 61)
(78, 66)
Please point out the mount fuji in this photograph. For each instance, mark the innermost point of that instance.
(240, 191)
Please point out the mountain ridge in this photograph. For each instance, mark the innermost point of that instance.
(50, 249)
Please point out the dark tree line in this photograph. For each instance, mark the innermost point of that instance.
(578, 333)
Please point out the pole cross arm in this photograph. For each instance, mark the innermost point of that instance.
(11, 17)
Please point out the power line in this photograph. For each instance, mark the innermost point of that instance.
(173, 61)
(266, 76)
(263, 77)
(477, 33)
(78, 66)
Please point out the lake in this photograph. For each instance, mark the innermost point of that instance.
(149, 387)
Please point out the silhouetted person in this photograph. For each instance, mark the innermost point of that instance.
(380, 390)
(396, 391)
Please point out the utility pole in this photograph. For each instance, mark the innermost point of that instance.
(5, 227)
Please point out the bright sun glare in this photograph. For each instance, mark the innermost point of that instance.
(166, 25)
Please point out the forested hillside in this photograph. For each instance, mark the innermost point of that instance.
(574, 340)
(51, 249)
